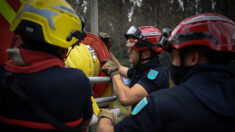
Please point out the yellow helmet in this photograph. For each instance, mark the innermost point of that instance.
(52, 21)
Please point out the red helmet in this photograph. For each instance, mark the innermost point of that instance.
(214, 31)
(143, 38)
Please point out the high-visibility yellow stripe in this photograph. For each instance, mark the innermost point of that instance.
(7, 11)
(96, 108)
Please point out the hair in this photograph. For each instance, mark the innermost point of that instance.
(35, 45)
(213, 57)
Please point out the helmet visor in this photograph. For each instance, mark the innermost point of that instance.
(133, 32)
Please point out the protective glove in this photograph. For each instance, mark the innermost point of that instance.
(109, 67)
(106, 38)
(108, 114)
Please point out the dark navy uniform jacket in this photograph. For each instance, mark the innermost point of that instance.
(204, 102)
(140, 75)
(64, 93)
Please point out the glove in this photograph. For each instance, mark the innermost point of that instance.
(109, 67)
(106, 38)
(108, 114)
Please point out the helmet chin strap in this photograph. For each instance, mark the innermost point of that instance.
(184, 68)
(69, 53)
(140, 59)
(80, 35)
(181, 54)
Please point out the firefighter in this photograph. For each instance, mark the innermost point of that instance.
(203, 99)
(40, 93)
(147, 75)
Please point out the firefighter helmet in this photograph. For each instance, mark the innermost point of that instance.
(214, 31)
(52, 21)
(143, 38)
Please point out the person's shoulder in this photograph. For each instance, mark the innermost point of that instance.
(68, 73)
(75, 72)
(170, 95)
(163, 102)
(152, 74)
(160, 69)
(68, 70)
(156, 72)
(175, 90)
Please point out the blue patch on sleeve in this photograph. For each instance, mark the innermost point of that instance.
(140, 106)
(152, 74)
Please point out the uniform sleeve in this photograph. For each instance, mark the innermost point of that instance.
(88, 110)
(144, 121)
(161, 81)
(129, 72)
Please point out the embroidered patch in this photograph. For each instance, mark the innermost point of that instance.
(140, 106)
(152, 74)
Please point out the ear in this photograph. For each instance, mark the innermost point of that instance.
(146, 54)
(192, 59)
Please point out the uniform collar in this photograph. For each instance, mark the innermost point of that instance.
(28, 61)
(150, 64)
(210, 68)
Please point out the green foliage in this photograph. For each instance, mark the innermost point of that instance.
(125, 111)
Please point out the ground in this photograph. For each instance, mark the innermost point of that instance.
(125, 111)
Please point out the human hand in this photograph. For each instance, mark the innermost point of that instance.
(109, 67)
(107, 114)
(106, 38)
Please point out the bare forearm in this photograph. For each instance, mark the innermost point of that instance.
(105, 125)
(127, 96)
(121, 90)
